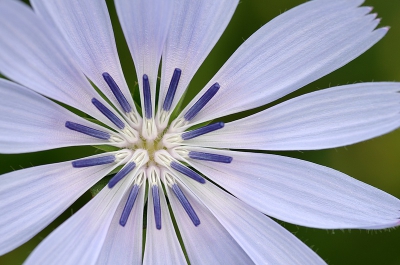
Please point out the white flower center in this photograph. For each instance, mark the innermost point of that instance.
(151, 151)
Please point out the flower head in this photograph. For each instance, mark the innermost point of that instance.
(180, 170)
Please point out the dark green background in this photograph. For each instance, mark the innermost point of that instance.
(375, 162)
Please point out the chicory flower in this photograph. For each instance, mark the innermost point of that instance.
(192, 169)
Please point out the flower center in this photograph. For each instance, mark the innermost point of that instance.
(151, 155)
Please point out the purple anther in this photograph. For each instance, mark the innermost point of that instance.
(157, 206)
(130, 202)
(117, 92)
(96, 161)
(202, 130)
(172, 89)
(210, 157)
(108, 113)
(87, 130)
(148, 111)
(186, 204)
(187, 171)
(121, 174)
(208, 95)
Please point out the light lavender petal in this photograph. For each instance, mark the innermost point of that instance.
(301, 192)
(264, 241)
(196, 27)
(145, 24)
(34, 55)
(31, 122)
(162, 246)
(80, 239)
(86, 27)
(327, 118)
(294, 49)
(32, 198)
(209, 242)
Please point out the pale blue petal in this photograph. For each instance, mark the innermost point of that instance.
(327, 118)
(145, 24)
(80, 239)
(264, 241)
(294, 49)
(301, 192)
(31, 122)
(195, 28)
(162, 246)
(36, 57)
(32, 198)
(86, 27)
(123, 245)
(208, 243)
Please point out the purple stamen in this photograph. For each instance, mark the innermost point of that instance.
(96, 161)
(210, 93)
(210, 157)
(148, 111)
(117, 92)
(121, 174)
(172, 89)
(129, 205)
(186, 204)
(87, 130)
(187, 171)
(157, 206)
(202, 130)
(108, 113)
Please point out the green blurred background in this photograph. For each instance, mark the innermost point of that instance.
(375, 162)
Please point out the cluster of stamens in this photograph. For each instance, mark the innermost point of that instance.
(155, 153)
